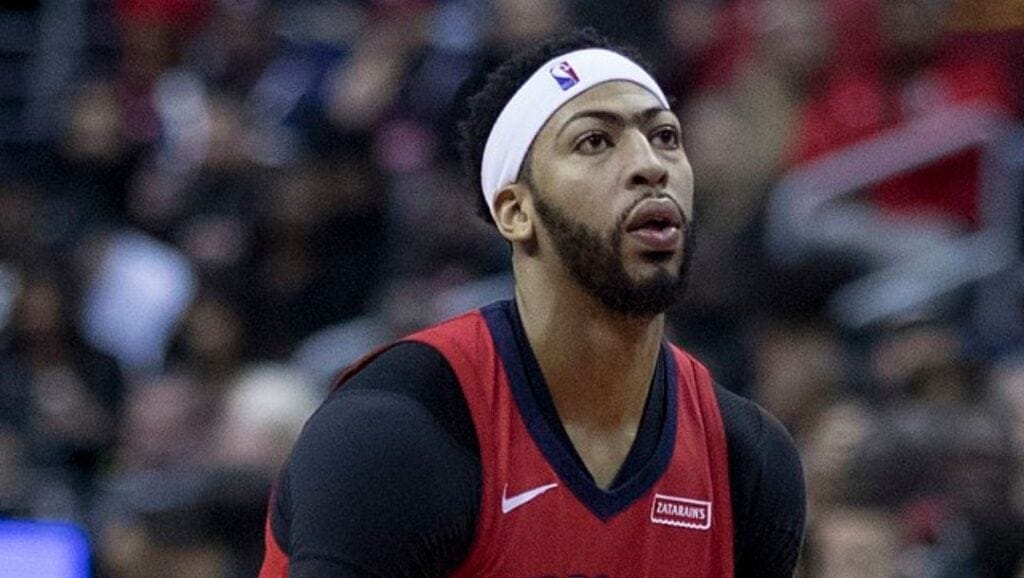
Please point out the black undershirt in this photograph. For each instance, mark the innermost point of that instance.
(385, 479)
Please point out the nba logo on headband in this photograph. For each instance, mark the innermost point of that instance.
(565, 75)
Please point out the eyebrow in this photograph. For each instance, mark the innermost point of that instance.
(613, 118)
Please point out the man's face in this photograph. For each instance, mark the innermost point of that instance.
(613, 192)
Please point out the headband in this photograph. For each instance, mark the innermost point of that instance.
(556, 82)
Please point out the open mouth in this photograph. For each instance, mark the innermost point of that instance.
(656, 224)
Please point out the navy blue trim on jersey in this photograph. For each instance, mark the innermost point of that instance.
(534, 401)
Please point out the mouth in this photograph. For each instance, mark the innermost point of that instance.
(656, 224)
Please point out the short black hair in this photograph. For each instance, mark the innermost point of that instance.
(484, 107)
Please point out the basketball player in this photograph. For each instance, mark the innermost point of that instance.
(557, 434)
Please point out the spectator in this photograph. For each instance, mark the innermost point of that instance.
(61, 397)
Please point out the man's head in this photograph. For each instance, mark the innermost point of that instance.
(581, 168)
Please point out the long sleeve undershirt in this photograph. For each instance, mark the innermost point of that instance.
(385, 479)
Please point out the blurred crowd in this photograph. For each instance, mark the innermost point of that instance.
(222, 203)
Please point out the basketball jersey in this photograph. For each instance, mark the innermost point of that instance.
(541, 514)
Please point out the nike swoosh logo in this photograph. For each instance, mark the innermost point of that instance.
(511, 503)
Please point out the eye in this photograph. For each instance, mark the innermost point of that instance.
(593, 142)
(666, 137)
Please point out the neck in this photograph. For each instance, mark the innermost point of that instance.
(598, 364)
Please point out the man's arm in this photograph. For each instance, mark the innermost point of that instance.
(767, 486)
(383, 480)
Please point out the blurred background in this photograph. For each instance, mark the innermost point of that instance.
(209, 207)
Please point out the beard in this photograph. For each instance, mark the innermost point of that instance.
(597, 263)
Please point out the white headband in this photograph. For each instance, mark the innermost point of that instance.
(552, 85)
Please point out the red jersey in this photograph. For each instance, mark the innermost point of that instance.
(541, 514)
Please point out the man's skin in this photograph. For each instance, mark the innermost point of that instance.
(594, 158)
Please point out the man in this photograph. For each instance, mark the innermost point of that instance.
(557, 434)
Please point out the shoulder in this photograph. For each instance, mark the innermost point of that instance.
(762, 454)
(767, 487)
(386, 400)
(403, 362)
(406, 377)
(389, 463)
(749, 427)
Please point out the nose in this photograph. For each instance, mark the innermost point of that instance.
(645, 168)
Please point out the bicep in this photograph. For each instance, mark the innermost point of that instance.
(376, 487)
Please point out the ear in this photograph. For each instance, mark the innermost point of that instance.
(513, 213)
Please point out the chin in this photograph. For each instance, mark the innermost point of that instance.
(650, 265)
